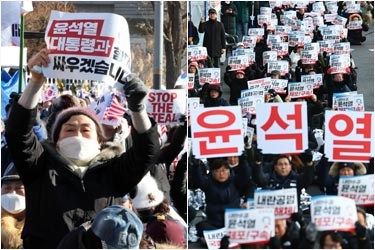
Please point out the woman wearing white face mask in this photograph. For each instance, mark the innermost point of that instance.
(12, 208)
(75, 174)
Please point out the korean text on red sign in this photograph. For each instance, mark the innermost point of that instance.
(87, 46)
(332, 212)
(284, 201)
(358, 188)
(349, 136)
(213, 238)
(166, 106)
(282, 127)
(250, 225)
(217, 132)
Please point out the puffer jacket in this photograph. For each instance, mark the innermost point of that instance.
(57, 198)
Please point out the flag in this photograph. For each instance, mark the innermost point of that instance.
(115, 110)
(182, 80)
(11, 19)
(7, 87)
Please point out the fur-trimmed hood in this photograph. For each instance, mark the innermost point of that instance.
(360, 168)
(11, 229)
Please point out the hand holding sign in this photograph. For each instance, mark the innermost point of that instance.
(135, 92)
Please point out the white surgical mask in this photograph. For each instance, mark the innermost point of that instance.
(77, 148)
(13, 203)
(233, 165)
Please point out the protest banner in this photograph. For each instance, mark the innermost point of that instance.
(309, 57)
(166, 106)
(315, 79)
(238, 62)
(191, 81)
(273, 39)
(318, 21)
(279, 85)
(282, 30)
(269, 56)
(339, 63)
(358, 188)
(331, 33)
(213, 238)
(318, 7)
(280, 48)
(326, 45)
(255, 226)
(339, 20)
(87, 46)
(332, 7)
(296, 38)
(262, 83)
(341, 48)
(249, 41)
(265, 11)
(331, 212)
(258, 32)
(216, 132)
(328, 18)
(353, 7)
(348, 101)
(311, 47)
(284, 201)
(282, 123)
(349, 136)
(197, 53)
(355, 25)
(257, 91)
(282, 66)
(210, 75)
(264, 19)
(248, 52)
(248, 104)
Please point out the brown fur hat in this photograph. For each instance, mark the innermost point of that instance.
(355, 15)
(358, 168)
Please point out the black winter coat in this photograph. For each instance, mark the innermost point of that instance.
(235, 85)
(57, 199)
(214, 37)
(229, 19)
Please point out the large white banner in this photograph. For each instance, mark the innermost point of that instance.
(282, 127)
(250, 225)
(166, 106)
(88, 46)
(349, 136)
(217, 132)
(332, 212)
(358, 188)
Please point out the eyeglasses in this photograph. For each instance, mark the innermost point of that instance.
(219, 171)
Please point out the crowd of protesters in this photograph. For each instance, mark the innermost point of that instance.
(71, 181)
(216, 184)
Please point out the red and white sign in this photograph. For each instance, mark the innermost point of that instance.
(331, 212)
(258, 32)
(315, 79)
(284, 201)
(279, 85)
(300, 90)
(210, 75)
(339, 63)
(166, 106)
(281, 65)
(269, 56)
(309, 57)
(248, 103)
(249, 41)
(213, 238)
(197, 53)
(326, 45)
(355, 25)
(282, 124)
(358, 188)
(341, 48)
(263, 83)
(250, 225)
(217, 132)
(238, 62)
(89, 47)
(349, 136)
(280, 48)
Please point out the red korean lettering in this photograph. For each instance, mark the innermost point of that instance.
(296, 137)
(341, 153)
(348, 125)
(366, 121)
(274, 117)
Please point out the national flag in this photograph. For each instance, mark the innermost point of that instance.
(8, 85)
(115, 110)
(182, 80)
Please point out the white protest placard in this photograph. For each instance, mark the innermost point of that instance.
(269, 56)
(355, 25)
(282, 66)
(318, 21)
(250, 225)
(258, 32)
(250, 133)
(256, 90)
(166, 106)
(216, 132)
(191, 81)
(339, 20)
(242, 51)
(296, 38)
(249, 41)
(311, 47)
(282, 30)
(319, 7)
(213, 238)
(210, 75)
(308, 57)
(265, 11)
(279, 85)
(328, 18)
(280, 48)
(87, 46)
(358, 188)
(193, 103)
(331, 212)
(341, 48)
(339, 63)
(284, 201)
(264, 19)
(348, 101)
(331, 33)
(353, 7)
(315, 79)
(273, 39)
(197, 53)
(332, 7)
(248, 104)
(326, 45)
(238, 62)
(262, 83)
(349, 136)
(282, 124)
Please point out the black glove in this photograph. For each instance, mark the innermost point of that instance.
(311, 232)
(258, 155)
(224, 242)
(275, 243)
(360, 230)
(272, 92)
(307, 156)
(297, 217)
(135, 92)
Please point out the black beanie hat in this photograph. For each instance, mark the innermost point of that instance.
(65, 115)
